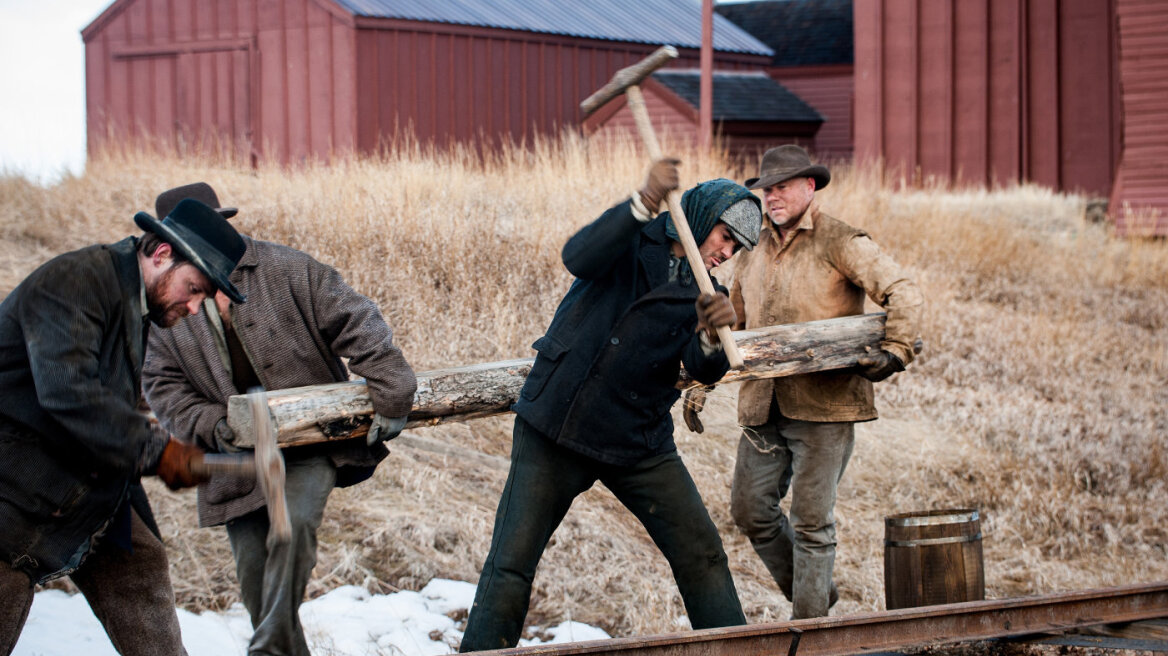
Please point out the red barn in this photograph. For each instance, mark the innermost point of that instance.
(298, 79)
(1065, 93)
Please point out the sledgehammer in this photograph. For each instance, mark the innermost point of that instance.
(266, 465)
(626, 80)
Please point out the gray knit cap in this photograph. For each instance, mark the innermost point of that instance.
(744, 219)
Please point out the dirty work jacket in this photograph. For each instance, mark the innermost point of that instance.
(299, 320)
(603, 380)
(72, 442)
(822, 271)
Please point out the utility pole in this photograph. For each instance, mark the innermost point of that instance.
(706, 86)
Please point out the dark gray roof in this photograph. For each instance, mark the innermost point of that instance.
(801, 32)
(746, 96)
(673, 22)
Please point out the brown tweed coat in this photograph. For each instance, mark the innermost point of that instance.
(299, 320)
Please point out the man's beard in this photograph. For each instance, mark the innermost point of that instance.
(157, 305)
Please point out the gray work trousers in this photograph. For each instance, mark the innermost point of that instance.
(808, 459)
(129, 592)
(272, 581)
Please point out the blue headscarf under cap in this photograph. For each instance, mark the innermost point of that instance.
(703, 205)
(706, 202)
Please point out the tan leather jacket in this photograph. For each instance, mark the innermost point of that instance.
(822, 271)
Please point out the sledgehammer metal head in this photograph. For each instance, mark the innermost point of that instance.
(627, 77)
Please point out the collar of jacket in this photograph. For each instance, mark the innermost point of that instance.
(125, 259)
(806, 223)
(654, 257)
(249, 259)
(654, 254)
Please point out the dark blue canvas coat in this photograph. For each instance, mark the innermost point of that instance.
(72, 443)
(603, 380)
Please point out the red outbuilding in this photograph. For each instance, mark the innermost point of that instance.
(751, 112)
(1070, 94)
(299, 79)
(812, 41)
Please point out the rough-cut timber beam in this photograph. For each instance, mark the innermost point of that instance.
(897, 629)
(318, 413)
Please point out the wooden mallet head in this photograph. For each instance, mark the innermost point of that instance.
(627, 77)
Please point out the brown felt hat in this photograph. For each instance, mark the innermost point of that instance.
(786, 162)
(200, 191)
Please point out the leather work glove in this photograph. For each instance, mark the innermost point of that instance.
(692, 404)
(176, 466)
(714, 311)
(384, 429)
(878, 365)
(662, 179)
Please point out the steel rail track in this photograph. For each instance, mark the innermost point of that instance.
(882, 631)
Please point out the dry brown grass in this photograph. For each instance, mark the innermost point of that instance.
(1041, 397)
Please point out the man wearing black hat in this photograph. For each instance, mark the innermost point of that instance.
(596, 404)
(798, 431)
(72, 442)
(300, 320)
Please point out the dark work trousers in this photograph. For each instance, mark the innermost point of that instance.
(807, 458)
(272, 581)
(543, 481)
(129, 592)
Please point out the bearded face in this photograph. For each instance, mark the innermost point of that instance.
(176, 293)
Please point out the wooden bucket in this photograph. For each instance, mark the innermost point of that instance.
(932, 557)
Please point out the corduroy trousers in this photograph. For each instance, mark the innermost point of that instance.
(129, 592)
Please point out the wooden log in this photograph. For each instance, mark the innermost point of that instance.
(321, 413)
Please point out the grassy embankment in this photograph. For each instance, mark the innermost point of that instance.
(1041, 397)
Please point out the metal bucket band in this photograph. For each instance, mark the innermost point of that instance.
(925, 542)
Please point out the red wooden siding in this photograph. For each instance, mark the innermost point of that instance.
(457, 83)
(989, 91)
(1139, 202)
(298, 79)
(829, 89)
(234, 71)
(674, 120)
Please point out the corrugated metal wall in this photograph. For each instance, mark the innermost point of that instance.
(191, 73)
(829, 89)
(1139, 203)
(451, 82)
(989, 91)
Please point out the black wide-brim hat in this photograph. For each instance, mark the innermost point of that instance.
(204, 237)
(786, 162)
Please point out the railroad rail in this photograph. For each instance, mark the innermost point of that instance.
(891, 630)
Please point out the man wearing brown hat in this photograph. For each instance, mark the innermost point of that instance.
(300, 320)
(73, 445)
(798, 431)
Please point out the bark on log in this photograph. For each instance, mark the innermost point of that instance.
(320, 413)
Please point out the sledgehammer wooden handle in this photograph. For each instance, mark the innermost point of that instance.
(235, 465)
(636, 103)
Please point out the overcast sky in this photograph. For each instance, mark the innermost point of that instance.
(42, 85)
